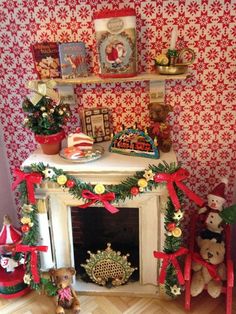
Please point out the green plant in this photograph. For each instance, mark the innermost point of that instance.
(46, 117)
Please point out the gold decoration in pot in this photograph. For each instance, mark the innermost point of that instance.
(174, 66)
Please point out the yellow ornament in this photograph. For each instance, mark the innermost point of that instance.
(161, 59)
(61, 180)
(25, 220)
(99, 188)
(142, 183)
(177, 232)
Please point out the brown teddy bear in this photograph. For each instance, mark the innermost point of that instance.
(66, 296)
(159, 128)
(213, 253)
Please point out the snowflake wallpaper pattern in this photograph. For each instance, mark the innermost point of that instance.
(204, 105)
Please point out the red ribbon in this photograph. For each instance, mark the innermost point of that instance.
(103, 198)
(212, 269)
(34, 260)
(65, 294)
(176, 178)
(170, 258)
(31, 179)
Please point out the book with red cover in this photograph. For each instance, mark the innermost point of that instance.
(46, 59)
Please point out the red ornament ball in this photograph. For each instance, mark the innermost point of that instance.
(25, 228)
(171, 226)
(134, 190)
(70, 183)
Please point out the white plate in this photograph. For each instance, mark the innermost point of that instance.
(92, 154)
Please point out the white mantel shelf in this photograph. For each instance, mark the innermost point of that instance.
(138, 78)
(109, 164)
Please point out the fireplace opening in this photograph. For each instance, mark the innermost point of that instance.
(94, 227)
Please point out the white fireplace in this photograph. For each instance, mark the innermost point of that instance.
(56, 226)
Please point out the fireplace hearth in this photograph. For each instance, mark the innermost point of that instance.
(94, 227)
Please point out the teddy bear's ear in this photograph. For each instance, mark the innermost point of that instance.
(52, 271)
(72, 271)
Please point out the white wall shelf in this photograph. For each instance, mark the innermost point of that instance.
(138, 78)
(156, 82)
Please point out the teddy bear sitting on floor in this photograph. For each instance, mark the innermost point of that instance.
(159, 128)
(213, 253)
(66, 296)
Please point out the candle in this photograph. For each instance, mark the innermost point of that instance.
(173, 38)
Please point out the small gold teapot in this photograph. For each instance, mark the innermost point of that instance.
(174, 66)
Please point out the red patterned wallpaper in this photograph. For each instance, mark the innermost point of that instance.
(204, 117)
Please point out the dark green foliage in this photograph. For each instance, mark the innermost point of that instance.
(228, 214)
(49, 288)
(46, 117)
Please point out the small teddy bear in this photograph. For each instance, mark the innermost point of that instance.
(211, 213)
(213, 253)
(66, 296)
(159, 128)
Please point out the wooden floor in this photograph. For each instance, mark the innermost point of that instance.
(36, 304)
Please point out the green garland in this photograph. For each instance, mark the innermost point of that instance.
(139, 183)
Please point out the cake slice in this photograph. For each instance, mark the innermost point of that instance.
(83, 141)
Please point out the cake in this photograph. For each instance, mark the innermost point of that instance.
(80, 140)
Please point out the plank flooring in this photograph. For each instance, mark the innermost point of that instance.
(33, 303)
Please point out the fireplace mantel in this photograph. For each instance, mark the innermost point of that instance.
(113, 167)
(55, 223)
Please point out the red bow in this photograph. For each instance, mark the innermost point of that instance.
(34, 260)
(176, 178)
(171, 258)
(31, 179)
(212, 269)
(65, 294)
(156, 128)
(103, 198)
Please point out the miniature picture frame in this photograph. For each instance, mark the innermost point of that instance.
(96, 122)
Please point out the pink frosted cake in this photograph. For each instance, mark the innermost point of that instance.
(80, 140)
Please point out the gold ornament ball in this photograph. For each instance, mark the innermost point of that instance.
(99, 189)
(177, 232)
(162, 59)
(61, 180)
(142, 183)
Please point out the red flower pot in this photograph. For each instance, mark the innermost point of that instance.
(50, 144)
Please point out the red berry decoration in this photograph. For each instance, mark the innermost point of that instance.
(171, 226)
(25, 228)
(70, 183)
(134, 190)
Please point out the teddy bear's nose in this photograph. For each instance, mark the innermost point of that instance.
(209, 255)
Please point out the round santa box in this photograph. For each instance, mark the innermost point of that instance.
(12, 284)
(9, 235)
(116, 42)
